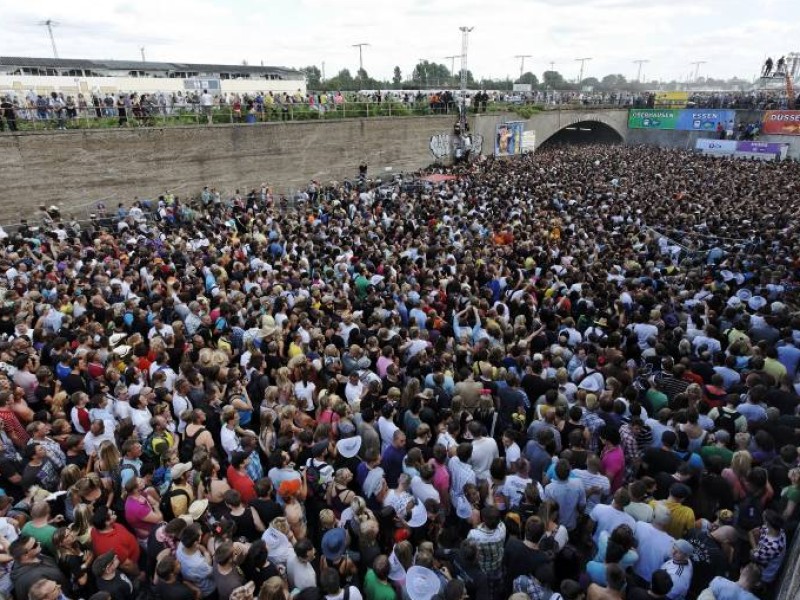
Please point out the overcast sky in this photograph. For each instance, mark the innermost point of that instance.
(733, 36)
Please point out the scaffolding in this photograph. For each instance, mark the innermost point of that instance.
(781, 80)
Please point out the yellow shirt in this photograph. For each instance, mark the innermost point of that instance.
(683, 520)
(774, 368)
(295, 350)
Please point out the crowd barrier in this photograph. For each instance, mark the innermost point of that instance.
(29, 118)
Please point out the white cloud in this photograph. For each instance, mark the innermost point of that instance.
(733, 36)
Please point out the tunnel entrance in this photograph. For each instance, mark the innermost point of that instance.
(582, 133)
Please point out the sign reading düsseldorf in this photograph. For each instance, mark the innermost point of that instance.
(781, 122)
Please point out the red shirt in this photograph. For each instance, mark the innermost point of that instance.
(119, 539)
(13, 427)
(242, 484)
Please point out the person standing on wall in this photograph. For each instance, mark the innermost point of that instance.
(207, 103)
(9, 117)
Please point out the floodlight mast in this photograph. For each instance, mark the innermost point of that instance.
(465, 31)
(49, 23)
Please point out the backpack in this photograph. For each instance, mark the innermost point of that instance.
(165, 506)
(187, 446)
(150, 445)
(314, 480)
(749, 513)
(726, 421)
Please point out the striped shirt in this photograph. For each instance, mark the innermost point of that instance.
(460, 475)
(593, 480)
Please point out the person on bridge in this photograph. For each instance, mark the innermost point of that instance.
(768, 67)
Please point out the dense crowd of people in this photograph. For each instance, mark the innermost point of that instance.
(566, 375)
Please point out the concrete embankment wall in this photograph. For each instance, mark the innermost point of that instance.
(75, 169)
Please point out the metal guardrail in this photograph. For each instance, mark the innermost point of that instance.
(33, 119)
(29, 118)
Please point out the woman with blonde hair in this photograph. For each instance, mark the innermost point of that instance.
(70, 475)
(90, 490)
(338, 495)
(274, 588)
(57, 405)
(81, 524)
(73, 560)
(411, 390)
(108, 459)
(736, 474)
(285, 386)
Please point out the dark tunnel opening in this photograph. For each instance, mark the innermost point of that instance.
(583, 133)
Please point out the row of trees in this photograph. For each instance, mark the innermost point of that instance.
(430, 75)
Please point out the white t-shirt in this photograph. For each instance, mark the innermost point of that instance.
(484, 451)
(386, 429)
(423, 491)
(354, 594)
(305, 393)
(206, 99)
(512, 454)
(140, 418)
(230, 441)
(180, 404)
(301, 574)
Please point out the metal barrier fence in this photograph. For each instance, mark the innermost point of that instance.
(30, 118)
(33, 119)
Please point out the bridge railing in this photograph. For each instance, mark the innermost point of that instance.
(29, 118)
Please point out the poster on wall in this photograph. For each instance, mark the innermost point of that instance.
(528, 141)
(652, 118)
(681, 120)
(782, 122)
(508, 138)
(704, 119)
(743, 149)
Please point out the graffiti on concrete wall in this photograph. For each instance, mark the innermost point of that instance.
(444, 145)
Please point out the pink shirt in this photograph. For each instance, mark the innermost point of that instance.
(612, 463)
(382, 364)
(135, 511)
(441, 481)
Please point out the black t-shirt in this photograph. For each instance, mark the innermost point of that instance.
(534, 386)
(638, 593)
(521, 560)
(659, 460)
(267, 509)
(9, 469)
(784, 401)
(74, 383)
(81, 460)
(708, 561)
(173, 591)
(120, 588)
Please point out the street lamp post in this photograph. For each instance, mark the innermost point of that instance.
(583, 62)
(640, 62)
(522, 58)
(360, 58)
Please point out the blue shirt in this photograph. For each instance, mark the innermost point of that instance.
(789, 357)
(571, 499)
(725, 589)
(392, 463)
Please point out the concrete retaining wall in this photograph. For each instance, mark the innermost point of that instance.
(75, 169)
